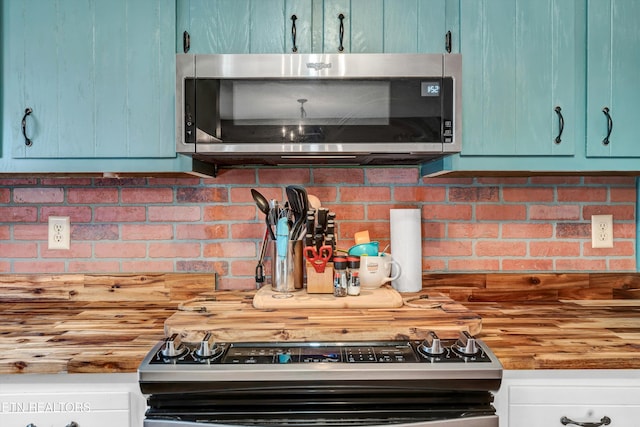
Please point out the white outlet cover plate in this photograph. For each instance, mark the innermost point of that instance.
(602, 231)
(59, 232)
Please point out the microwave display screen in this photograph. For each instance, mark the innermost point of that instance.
(430, 89)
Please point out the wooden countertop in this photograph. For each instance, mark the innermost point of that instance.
(78, 323)
(573, 334)
(51, 331)
(77, 337)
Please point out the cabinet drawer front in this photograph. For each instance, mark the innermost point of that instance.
(550, 415)
(98, 419)
(573, 395)
(59, 409)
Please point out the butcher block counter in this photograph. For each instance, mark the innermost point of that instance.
(51, 325)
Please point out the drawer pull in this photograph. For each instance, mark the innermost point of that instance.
(604, 421)
(72, 424)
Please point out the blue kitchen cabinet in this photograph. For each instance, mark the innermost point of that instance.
(390, 26)
(605, 64)
(243, 26)
(521, 68)
(265, 26)
(613, 61)
(98, 78)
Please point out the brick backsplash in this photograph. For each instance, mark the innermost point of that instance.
(212, 225)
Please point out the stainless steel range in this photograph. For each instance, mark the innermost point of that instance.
(435, 382)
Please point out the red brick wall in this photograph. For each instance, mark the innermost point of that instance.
(189, 224)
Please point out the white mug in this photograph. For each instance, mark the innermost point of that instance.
(375, 271)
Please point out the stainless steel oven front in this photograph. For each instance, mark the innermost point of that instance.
(434, 383)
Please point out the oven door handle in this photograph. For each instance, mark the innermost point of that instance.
(483, 421)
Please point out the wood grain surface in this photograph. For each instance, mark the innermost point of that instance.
(567, 334)
(230, 316)
(87, 323)
(382, 297)
(478, 287)
(107, 323)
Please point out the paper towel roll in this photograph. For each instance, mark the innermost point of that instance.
(406, 248)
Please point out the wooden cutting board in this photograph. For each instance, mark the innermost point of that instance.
(383, 297)
(231, 317)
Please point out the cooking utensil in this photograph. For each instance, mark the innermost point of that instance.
(314, 201)
(282, 236)
(365, 249)
(318, 257)
(295, 204)
(260, 266)
(299, 203)
(263, 205)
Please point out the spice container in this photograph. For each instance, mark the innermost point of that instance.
(340, 278)
(353, 266)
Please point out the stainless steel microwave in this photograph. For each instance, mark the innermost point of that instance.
(318, 109)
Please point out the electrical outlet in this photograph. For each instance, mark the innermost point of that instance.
(59, 232)
(601, 231)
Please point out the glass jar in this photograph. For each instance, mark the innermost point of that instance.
(340, 278)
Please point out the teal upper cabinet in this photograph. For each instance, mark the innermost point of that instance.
(244, 26)
(97, 76)
(613, 62)
(520, 68)
(315, 26)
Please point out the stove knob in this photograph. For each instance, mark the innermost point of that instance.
(171, 346)
(431, 346)
(204, 350)
(467, 345)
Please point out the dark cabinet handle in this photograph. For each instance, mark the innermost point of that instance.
(558, 111)
(341, 18)
(186, 41)
(606, 141)
(447, 41)
(27, 141)
(604, 421)
(293, 33)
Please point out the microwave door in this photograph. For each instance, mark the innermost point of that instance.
(310, 111)
(201, 106)
(331, 111)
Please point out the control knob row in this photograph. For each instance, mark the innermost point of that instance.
(466, 345)
(207, 348)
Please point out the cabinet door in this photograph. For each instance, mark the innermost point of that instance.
(613, 60)
(520, 62)
(244, 26)
(389, 26)
(265, 26)
(98, 77)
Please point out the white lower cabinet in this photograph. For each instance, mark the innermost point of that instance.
(74, 400)
(569, 398)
